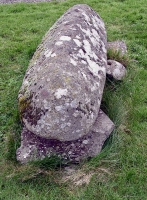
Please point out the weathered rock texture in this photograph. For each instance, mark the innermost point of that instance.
(61, 93)
(117, 46)
(34, 147)
(116, 70)
(60, 97)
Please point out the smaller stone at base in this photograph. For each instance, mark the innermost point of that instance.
(116, 70)
(36, 148)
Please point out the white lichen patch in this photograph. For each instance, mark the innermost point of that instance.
(86, 16)
(26, 155)
(87, 32)
(53, 55)
(58, 43)
(66, 22)
(95, 86)
(98, 23)
(85, 142)
(26, 82)
(48, 53)
(92, 35)
(59, 108)
(94, 41)
(69, 124)
(84, 75)
(73, 62)
(95, 34)
(84, 62)
(65, 38)
(60, 92)
(104, 48)
(76, 113)
(78, 43)
(92, 66)
(75, 57)
(74, 29)
(78, 37)
(88, 50)
(62, 119)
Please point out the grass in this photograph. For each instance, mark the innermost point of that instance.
(124, 156)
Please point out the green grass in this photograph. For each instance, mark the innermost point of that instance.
(124, 155)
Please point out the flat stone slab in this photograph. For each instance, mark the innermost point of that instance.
(34, 147)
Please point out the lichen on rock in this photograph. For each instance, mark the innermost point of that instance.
(62, 89)
(66, 76)
(116, 70)
(34, 147)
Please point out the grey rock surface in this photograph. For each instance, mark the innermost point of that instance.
(60, 97)
(116, 70)
(62, 90)
(118, 46)
(34, 147)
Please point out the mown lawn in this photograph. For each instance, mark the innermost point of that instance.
(120, 170)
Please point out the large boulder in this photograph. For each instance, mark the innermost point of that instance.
(61, 93)
(62, 90)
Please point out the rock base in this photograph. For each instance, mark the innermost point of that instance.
(36, 148)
